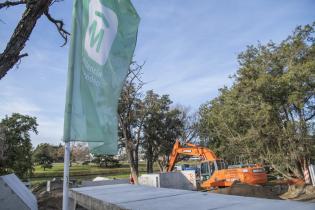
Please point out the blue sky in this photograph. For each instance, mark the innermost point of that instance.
(190, 49)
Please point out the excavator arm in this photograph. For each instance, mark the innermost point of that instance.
(191, 150)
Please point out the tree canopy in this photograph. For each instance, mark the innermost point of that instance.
(268, 113)
(17, 148)
(43, 155)
(147, 123)
(162, 125)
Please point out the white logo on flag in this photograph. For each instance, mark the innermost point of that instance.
(101, 32)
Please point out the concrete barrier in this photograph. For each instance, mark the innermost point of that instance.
(185, 180)
(152, 180)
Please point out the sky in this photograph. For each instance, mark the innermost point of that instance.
(189, 48)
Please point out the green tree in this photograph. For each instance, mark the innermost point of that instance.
(15, 135)
(2, 143)
(268, 113)
(106, 161)
(43, 155)
(162, 125)
(58, 153)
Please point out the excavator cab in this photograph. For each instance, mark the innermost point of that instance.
(208, 167)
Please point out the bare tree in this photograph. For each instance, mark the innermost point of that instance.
(189, 132)
(80, 152)
(34, 9)
(131, 117)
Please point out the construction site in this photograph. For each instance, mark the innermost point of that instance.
(206, 183)
(157, 105)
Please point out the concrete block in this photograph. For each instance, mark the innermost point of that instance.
(185, 180)
(152, 180)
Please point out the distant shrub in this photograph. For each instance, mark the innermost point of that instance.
(85, 163)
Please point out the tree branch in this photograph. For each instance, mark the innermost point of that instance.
(59, 25)
(12, 53)
(22, 55)
(310, 117)
(11, 3)
(33, 11)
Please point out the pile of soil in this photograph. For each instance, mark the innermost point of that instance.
(241, 189)
(300, 193)
(279, 191)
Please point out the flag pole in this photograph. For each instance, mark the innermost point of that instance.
(65, 197)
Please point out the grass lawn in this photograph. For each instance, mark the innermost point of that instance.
(85, 171)
(58, 168)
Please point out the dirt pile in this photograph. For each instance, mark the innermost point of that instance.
(241, 189)
(278, 191)
(300, 193)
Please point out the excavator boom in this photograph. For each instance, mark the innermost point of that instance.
(191, 150)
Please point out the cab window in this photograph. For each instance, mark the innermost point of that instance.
(221, 164)
(204, 168)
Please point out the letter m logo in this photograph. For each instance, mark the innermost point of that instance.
(101, 32)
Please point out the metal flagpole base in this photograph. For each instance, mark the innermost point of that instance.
(65, 198)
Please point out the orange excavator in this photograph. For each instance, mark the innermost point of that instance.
(214, 172)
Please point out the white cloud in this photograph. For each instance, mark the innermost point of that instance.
(12, 100)
(193, 92)
(50, 130)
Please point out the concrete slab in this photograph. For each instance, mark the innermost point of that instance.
(125, 196)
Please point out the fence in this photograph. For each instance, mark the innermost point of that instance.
(312, 173)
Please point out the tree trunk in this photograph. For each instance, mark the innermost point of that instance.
(160, 166)
(298, 172)
(11, 55)
(150, 159)
(149, 165)
(136, 157)
(132, 160)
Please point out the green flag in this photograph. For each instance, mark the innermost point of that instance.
(104, 35)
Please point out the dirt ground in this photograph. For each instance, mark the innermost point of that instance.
(49, 200)
(53, 200)
(278, 191)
